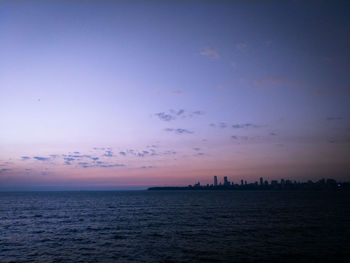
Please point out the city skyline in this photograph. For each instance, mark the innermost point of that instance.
(274, 185)
(99, 95)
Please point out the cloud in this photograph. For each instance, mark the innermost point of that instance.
(165, 117)
(78, 155)
(4, 170)
(147, 167)
(169, 152)
(110, 165)
(273, 134)
(177, 113)
(224, 125)
(24, 158)
(76, 152)
(108, 153)
(172, 114)
(95, 158)
(84, 164)
(196, 148)
(179, 131)
(152, 146)
(241, 46)
(122, 153)
(221, 125)
(334, 118)
(41, 158)
(245, 125)
(210, 52)
(142, 154)
(198, 112)
(243, 138)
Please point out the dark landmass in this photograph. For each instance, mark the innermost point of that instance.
(283, 185)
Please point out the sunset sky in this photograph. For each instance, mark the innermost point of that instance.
(108, 94)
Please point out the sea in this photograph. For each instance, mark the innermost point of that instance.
(175, 226)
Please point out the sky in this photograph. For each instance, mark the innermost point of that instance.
(130, 94)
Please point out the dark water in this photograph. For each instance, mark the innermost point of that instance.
(174, 226)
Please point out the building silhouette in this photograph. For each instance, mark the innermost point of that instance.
(283, 185)
(226, 182)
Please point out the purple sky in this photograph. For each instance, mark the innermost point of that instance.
(132, 93)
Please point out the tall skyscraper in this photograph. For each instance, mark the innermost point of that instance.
(215, 180)
(261, 181)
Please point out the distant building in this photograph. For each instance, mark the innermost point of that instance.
(261, 181)
(215, 180)
(241, 181)
(226, 181)
(274, 182)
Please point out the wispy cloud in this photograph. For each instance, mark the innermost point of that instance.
(44, 159)
(84, 164)
(68, 160)
(221, 125)
(245, 125)
(224, 125)
(4, 170)
(99, 164)
(198, 112)
(147, 167)
(210, 52)
(172, 114)
(24, 158)
(179, 131)
(165, 117)
(235, 137)
(108, 153)
(111, 165)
